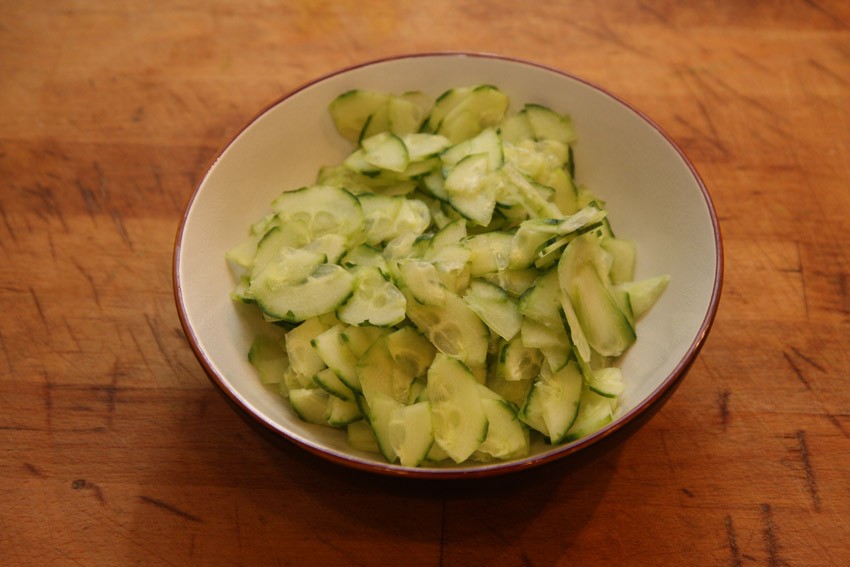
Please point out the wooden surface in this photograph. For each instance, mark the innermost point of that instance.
(118, 450)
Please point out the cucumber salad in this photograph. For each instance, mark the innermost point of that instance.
(448, 292)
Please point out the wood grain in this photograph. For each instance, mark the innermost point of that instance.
(117, 449)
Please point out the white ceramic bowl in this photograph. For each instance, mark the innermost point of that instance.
(653, 193)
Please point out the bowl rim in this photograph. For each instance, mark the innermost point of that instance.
(489, 469)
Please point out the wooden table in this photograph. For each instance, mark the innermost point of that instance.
(117, 449)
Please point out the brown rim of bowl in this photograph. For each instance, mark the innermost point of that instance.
(487, 470)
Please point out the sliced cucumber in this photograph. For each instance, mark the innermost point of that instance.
(361, 436)
(607, 382)
(378, 373)
(454, 329)
(507, 437)
(549, 125)
(516, 128)
(268, 356)
(411, 352)
(604, 324)
(495, 307)
(350, 111)
(497, 280)
(386, 151)
(443, 105)
(322, 209)
(375, 301)
(339, 359)
(423, 281)
(342, 412)
(542, 301)
(422, 145)
(405, 115)
(328, 381)
(644, 293)
(623, 253)
(460, 424)
(310, 405)
(486, 143)
(594, 414)
(327, 288)
(517, 361)
(381, 410)
(411, 433)
(359, 339)
(303, 358)
(489, 252)
(553, 402)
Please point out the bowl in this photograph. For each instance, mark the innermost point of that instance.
(654, 195)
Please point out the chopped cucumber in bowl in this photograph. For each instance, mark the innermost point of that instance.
(428, 270)
(351, 237)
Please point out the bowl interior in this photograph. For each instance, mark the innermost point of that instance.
(653, 194)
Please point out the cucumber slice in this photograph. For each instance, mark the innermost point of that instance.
(507, 437)
(553, 402)
(377, 123)
(521, 190)
(644, 293)
(605, 326)
(386, 151)
(375, 301)
(487, 142)
(516, 128)
(517, 361)
(303, 358)
(450, 234)
(322, 209)
(332, 246)
(379, 214)
(443, 105)
(623, 253)
(423, 281)
(340, 361)
(411, 351)
(310, 405)
(268, 356)
(381, 410)
(594, 414)
(460, 424)
(361, 436)
(542, 301)
(515, 282)
(489, 252)
(411, 433)
(404, 115)
(290, 237)
(514, 391)
(468, 191)
(549, 125)
(468, 176)
(454, 329)
(495, 307)
(350, 111)
(327, 288)
(422, 145)
(364, 256)
(242, 255)
(359, 339)
(378, 373)
(484, 106)
(607, 382)
(328, 381)
(342, 412)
